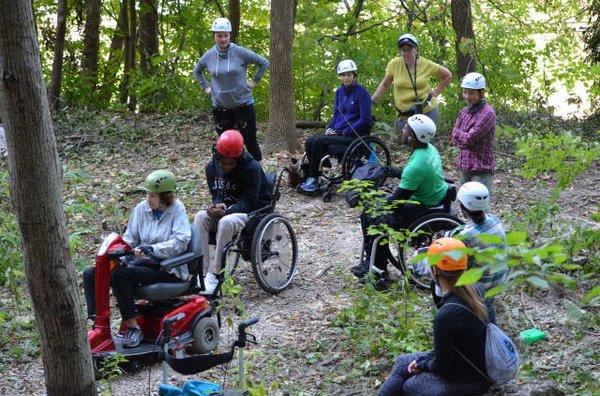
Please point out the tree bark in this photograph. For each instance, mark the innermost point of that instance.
(91, 41)
(35, 187)
(127, 91)
(59, 46)
(462, 24)
(148, 34)
(234, 18)
(115, 53)
(281, 81)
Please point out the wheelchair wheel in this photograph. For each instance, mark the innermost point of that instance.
(274, 253)
(368, 149)
(423, 231)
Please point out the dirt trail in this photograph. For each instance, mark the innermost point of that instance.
(294, 323)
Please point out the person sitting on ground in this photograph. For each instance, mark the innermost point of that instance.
(157, 229)
(459, 326)
(422, 183)
(473, 133)
(351, 119)
(474, 199)
(238, 186)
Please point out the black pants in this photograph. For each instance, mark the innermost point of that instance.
(124, 280)
(401, 218)
(319, 146)
(243, 119)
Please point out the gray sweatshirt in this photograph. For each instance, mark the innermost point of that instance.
(228, 74)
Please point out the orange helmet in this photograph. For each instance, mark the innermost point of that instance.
(230, 144)
(452, 252)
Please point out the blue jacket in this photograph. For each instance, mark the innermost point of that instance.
(351, 110)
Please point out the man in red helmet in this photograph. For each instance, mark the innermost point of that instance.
(238, 186)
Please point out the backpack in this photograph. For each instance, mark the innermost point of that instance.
(370, 172)
(501, 356)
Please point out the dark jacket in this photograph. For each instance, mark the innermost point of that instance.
(352, 110)
(456, 327)
(244, 190)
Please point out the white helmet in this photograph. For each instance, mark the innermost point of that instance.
(408, 39)
(474, 196)
(221, 25)
(423, 127)
(473, 81)
(347, 65)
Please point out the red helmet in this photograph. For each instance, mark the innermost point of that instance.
(230, 144)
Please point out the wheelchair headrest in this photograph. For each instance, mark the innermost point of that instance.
(194, 245)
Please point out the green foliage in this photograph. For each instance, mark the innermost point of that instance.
(325, 32)
(11, 258)
(564, 154)
(111, 367)
(383, 325)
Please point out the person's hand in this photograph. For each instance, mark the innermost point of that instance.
(413, 367)
(251, 84)
(374, 99)
(330, 131)
(433, 93)
(138, 252)
(208, 90)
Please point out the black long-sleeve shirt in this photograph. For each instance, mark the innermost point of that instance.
(243, 190)
(456, 327)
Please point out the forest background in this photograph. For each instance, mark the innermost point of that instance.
(119, 73)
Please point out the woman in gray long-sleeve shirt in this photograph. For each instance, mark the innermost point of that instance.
(158, 229)
(231, 92)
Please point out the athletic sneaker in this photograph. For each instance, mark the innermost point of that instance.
(133, 337)
(309, 186)
(210, 284)
(359, 271)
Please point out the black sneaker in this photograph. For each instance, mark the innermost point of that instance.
(382, 284)
(359, 271)
(133, 337)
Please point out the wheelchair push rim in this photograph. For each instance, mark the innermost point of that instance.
(375, 152)
(423, 232)
(274, 253)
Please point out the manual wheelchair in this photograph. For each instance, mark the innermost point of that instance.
(432, 224)
(342, 160)
(268, 242)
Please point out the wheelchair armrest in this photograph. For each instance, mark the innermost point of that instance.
(177, 261)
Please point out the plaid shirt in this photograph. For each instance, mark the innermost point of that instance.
(473, 133)
(497, 271)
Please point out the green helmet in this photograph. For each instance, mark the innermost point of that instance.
(159, 181)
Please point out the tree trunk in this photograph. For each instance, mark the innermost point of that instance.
(36, 192)
(281, 81)
(91, 41)
(59, 45)
(148, 34)
(462, 24)
(127, 89)
(115, 54)
(234, 18)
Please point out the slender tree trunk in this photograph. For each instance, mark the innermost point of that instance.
(115, 53)
(59, 46)
(127, 89)
(35, 187)
(148, 34)
(281, 87)
(462, 24)
(91, 41)
(234, 18)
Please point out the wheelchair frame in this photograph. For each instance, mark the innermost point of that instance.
(423, 230)
(349, 163)
(248, 246)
